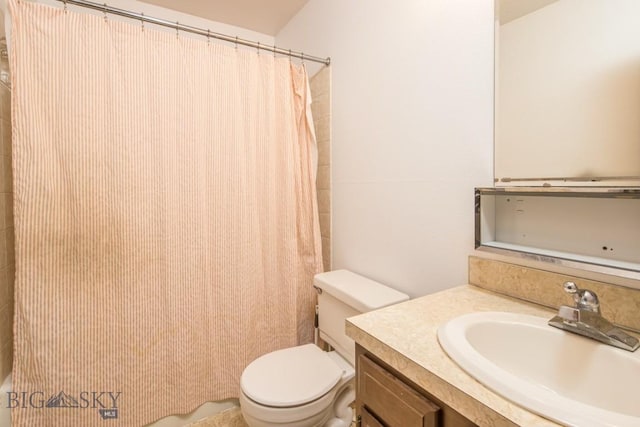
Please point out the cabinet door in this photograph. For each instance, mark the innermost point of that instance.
(393, 403)
(368, 420)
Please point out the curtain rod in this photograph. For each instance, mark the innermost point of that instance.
(189, 29)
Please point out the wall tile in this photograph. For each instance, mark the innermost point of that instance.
(321, 109)
(6, 293)
(10, 245)
(321, 82)
(323, 128)
(5, 133)
(326, 254)
(7, 178)
(11, 281)
(323, 179)
(6, 358)
(3, 248)
(5, 102)
(325, 225)
(7, 209)
(320, 106)
(324, 153)
(7, 247)
(324, 201)
(3, 209)
(6, 325)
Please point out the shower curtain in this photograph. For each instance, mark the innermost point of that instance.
(165, 214)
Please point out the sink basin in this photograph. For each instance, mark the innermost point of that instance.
(561, 376)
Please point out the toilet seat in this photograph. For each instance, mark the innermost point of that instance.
(290, 377)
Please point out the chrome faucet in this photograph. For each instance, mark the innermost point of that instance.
(585, 319)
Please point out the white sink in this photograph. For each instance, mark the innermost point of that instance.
(562, 376)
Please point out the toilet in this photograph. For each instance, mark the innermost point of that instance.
(304, 386)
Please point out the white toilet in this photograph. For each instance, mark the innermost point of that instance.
(304, 386)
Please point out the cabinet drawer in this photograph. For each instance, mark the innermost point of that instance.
(392, 401)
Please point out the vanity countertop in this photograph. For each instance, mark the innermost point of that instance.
(405, 337)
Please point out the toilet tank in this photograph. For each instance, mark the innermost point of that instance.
(344, 294)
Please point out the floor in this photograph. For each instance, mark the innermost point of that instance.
(229, 418)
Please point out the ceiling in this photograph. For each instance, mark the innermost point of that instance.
(514, 9)
(267, 17)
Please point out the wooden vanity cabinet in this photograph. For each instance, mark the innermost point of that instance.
(385, 398)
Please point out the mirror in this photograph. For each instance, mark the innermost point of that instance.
(568, 92)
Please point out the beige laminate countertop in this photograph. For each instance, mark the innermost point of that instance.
(405, 337)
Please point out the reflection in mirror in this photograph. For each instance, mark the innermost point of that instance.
(568, 91)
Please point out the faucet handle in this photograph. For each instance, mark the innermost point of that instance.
(584, 298)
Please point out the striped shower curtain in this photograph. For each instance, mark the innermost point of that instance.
(166, 223)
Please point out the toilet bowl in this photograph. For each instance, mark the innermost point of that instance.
(298, 386)
(304, 386)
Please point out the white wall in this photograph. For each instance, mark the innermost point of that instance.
(412, 123)
(162, 13)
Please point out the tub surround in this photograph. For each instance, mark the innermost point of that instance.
(7, 251)
(320, 86)
(404, 336)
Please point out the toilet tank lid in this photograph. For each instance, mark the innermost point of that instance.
(359, 292)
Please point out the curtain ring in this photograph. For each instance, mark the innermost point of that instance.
(177, 29)
(289, 55)
(236, 43)
(104, 10)
(142, 20)
(258, 49)
(274, 50)
(208, 36)
(302, 57)
(65, 6)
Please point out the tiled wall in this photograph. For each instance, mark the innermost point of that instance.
(7, 252)
(321, 109)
